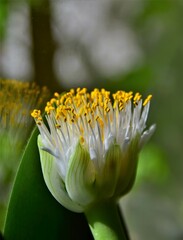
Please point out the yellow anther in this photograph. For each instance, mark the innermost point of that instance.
(68, 101)
(72, 91)
(114, 104)
(39, 119)
(62, 99)
(36, 114)
(82, 108)
(82, 91)
(78, 90)
(53, 100)
(101, 103)
(136, 98)
(147, 100)
(57, 95)
(130, 97)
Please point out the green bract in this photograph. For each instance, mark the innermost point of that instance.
(83, 184)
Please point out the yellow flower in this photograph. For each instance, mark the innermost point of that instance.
(17, 99)
(89, 149)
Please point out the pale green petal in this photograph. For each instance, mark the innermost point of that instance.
(53, 180)
(107, 179)
(80, 177)
(128, 168)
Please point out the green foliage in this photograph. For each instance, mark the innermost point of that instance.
(153, 165)
(8, 165)
(33, 213)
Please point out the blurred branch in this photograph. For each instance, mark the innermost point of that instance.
(43, 45)
(4, 11)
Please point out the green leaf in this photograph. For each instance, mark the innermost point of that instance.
(33, 213)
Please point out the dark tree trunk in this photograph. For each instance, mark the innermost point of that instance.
(43, 45)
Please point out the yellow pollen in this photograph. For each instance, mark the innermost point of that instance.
(136, 98)
(57, 95)
(17, 99)
(80, 108)
(147, 100)
(36, 114)
(72, 91)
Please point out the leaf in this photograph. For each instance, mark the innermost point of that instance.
(33, 213)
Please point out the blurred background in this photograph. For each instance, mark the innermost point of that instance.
(131, 45)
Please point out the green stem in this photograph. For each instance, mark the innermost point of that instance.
(104, 222)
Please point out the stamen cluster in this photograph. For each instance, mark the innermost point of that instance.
(87, 110)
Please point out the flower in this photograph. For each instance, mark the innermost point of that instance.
(89, 149)
(17, 99)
